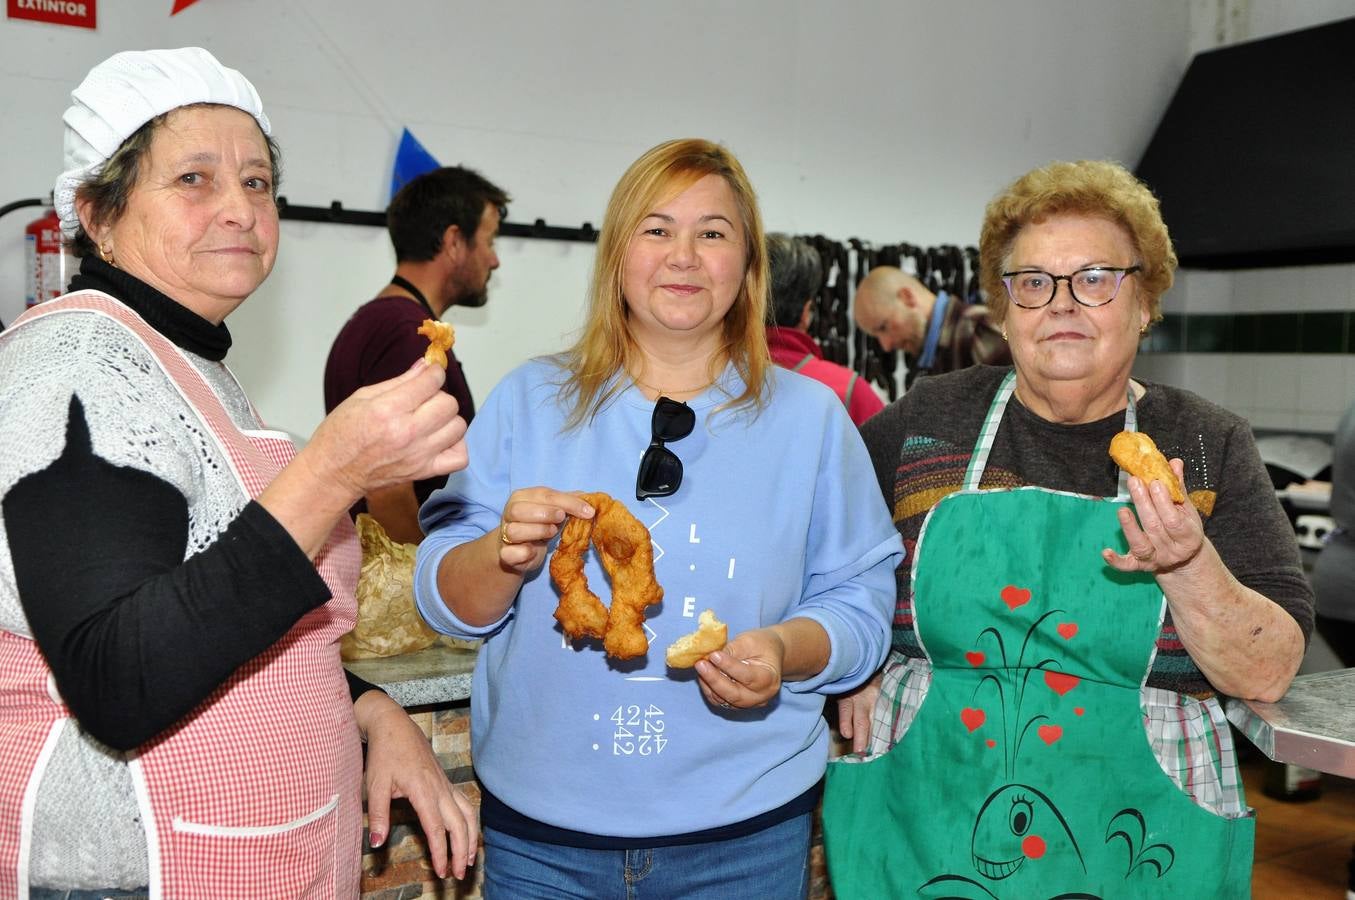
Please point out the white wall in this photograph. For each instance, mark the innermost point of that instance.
(892, 120)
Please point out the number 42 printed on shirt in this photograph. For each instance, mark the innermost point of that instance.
(638, 731)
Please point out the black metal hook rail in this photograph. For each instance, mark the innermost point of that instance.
(845, 263)
(335, 213)
(21, 204)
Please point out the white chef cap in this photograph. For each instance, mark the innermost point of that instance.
(126, 91)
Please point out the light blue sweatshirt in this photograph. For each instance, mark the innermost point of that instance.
(778, 516)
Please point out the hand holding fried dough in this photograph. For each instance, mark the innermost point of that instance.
(392, 432)
(1136, 453)
(627, 555)
(710, 635)
(1162, 534)
(749, 670)
(440, 336)
(482, 579)
(531, 518)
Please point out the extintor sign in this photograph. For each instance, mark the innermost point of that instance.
(78, 13)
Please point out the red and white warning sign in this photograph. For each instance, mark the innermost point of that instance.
(79, 13)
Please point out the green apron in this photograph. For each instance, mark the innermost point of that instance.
(1027, 772)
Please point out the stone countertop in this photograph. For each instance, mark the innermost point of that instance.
(437, 675)
(1312, 726)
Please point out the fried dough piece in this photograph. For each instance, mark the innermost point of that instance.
(624, 548)
(580, 612)
(440, 336)
(711, 634)
(1136, 453)
(1204, 501)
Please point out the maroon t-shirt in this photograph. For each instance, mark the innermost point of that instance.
(378, 342)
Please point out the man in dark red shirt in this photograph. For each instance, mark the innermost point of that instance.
(442, 225)
(795, 271)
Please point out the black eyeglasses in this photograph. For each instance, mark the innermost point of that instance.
(660, 472)
(1092, 286)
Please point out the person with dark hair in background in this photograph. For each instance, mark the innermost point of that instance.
(442, 225)
(795, 271)
(937, 332)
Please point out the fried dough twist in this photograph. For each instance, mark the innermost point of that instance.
(623, 546)
(1136, 453)
(440, 336)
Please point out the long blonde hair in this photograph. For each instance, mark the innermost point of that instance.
(606, 345)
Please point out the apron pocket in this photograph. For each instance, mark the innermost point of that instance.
(287, 859)
(1193, 744)
(903, 687)
(183, 826)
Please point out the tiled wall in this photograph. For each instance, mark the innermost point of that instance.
(1276, 346)
(1290, 332)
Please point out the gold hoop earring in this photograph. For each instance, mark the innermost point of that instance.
(106, 254)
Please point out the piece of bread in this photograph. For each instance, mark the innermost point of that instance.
(1136, 453)
(710, 635)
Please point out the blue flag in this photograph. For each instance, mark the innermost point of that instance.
(411, 161)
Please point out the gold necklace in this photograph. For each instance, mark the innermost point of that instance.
(661, 392)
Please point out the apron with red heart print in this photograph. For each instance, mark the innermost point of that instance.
(1027, 772)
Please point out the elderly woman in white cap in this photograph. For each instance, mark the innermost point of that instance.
(174, 578)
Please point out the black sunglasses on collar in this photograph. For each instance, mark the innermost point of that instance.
(660, 472)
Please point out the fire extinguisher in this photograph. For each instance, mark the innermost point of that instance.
(48, 266)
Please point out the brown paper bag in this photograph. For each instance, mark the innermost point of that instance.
(388, 624)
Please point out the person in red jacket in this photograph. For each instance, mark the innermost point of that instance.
(795, 272)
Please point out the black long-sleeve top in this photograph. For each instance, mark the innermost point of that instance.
(135, 634)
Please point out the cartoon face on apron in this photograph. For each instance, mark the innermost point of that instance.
(256, 793)
(1027, 772)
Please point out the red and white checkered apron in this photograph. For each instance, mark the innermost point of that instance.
(257, 792)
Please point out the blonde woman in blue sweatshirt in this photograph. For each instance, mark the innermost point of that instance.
(629, 779)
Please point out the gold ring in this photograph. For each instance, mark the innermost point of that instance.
(503, 534)
(1145, 557)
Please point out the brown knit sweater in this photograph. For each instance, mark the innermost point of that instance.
(921, 445)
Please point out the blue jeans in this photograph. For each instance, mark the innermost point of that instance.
(772, 864)
(41, 893)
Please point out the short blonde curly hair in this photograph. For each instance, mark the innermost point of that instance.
(1087, 187)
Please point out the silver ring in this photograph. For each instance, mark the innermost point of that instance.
(724, 704)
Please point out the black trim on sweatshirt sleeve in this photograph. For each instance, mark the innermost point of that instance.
(136, 636)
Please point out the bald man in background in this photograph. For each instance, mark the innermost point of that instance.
(937, 332)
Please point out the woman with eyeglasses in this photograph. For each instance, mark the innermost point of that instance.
(606, 778)
(1064, 632)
